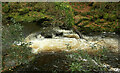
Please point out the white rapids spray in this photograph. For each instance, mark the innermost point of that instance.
(69, 43)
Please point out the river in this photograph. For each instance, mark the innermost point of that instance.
(49, 43)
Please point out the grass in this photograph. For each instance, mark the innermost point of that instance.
(82, 61)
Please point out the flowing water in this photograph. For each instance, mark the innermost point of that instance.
(48, 43)
(69, 41)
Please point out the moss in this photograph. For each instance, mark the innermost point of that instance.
(23, 11)
(97, 21)
(110, 17)
(6, 8)
(83, 19)
(96, 16)
(57, 13)
(85, 23)
(84, 14)
(106, 16)
(102, 21)
(76, 13)
(91, 18)
(89, 13)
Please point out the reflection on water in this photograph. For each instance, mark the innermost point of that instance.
(30, 28)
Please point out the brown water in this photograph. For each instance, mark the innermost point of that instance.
(51, 48)
(48, 51)
(69, 42)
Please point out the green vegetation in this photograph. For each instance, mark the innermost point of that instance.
(55, 14)
(13, 54)
(61, 14)
(101, 16)
(87, 62)
(88, 17)
(82, 61)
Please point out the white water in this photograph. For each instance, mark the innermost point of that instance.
(70, 42)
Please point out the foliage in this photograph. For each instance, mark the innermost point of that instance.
(101, 16)
(14, 51)
(11, 33)
(47, 13)
(82, 61)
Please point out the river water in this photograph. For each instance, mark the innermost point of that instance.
(48, 43)
(68, 41)
(46, 39)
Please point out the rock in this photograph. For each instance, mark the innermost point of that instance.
(48, 35)
(59, 34)
(71, 36)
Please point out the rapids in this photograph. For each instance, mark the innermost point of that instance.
(70, 41)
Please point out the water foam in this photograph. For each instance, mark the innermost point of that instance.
(70, 42)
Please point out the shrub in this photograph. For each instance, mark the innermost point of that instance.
(14, 51)
(84, 62)
(60, 14)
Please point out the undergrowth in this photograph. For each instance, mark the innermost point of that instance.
(82, 61)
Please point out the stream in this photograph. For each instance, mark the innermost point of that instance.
(50, 43)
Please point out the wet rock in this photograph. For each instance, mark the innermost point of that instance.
(59, 33)
(47, 35)
(72, 36)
